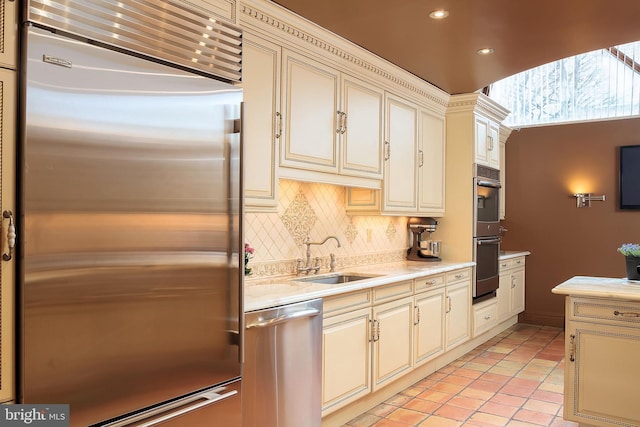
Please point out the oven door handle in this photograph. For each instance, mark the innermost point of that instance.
(493, 184)
(489, 241)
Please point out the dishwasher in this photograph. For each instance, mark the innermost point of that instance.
(282, 370)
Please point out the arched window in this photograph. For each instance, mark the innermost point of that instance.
(597, 85)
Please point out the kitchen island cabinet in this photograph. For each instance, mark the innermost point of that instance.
(602, 341)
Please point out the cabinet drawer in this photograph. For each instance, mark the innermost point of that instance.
(604, 311)
(458, 275)
(506, 264)
(485, 316)
(430, 282)
(392, 291)
(332, 306)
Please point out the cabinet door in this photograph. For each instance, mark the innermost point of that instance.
(431, 162)
(9, 44)
(361, 128)
(504, 294)
(346, 356)
(458, 319)
(8, 204)
(429, 325)
(602, 374)
(517, 291)
(400, 156)
(493, 149)
(392, 350)
(261, 91)
(482, 140)
(311, 114)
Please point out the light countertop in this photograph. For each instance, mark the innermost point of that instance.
(600, 287)
(272, 292)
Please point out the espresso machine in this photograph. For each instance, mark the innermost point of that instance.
(422, 247)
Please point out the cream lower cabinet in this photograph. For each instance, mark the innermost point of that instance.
(429, 306)
(367, 342)
(511, 290)
(602, 372)
(457, 308)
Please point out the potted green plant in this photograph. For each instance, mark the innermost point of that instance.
(631, 252)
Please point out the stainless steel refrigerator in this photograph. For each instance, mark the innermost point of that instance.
(130, 213)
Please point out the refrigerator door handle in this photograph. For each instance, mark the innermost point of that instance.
(211, 396)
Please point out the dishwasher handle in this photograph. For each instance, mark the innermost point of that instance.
(263, 323)
(275, 316)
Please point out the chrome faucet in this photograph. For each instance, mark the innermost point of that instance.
(308, 268)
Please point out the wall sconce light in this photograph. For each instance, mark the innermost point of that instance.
(583, 200)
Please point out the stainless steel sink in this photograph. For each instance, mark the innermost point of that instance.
(335, 279)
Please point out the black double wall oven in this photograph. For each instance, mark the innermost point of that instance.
(486, 232)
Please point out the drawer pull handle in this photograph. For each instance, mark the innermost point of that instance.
(487, 317)
(572, 348)
(623, 314)
(430, 282)
(459, 276)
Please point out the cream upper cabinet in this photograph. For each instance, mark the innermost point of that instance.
(431, 164)
(8, 206)
(602, 341)
(332, 125)
(310, 105)
(262, 121)
(487, 142)
(9, 44)
(361, 127)
(401, 133)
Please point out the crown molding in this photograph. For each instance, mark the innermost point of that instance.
(477, 102)
(287, 29)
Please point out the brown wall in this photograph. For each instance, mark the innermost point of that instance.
(544, 166)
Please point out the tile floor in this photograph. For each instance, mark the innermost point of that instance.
(514, 379)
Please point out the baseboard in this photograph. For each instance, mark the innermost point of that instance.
(346, 414)
(543, 319)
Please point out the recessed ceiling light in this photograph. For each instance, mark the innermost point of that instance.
(485, 51)
(439, 14)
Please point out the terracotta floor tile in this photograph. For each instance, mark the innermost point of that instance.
(407, 416)
(498, 409)
(476, 393)
(498, 370)
(448, 388)
(515, 390)
(466, 402)
(467, 373)
(458, 380)
(412, 391)
(485, 385)
(446, 369)
(542, 407)
(533, 417)
(437, 376)
(543, 362)
(527, 375)
(495, 378)
(435, 396)
(382, 410)
(560, 422)
(364, 420)
(547, 386)
(477, 366)
(548, 396)
(516, 423)
(453, 412)
(424, 406)
(505, 399)
(486, 420)
(398, 400)
(521, 382)
(389, 423)
(435, 421)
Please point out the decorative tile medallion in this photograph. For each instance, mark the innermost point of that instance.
(391, 231)
(299, 218)
(351, 232)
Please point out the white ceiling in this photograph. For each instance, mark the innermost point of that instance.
(523, 33)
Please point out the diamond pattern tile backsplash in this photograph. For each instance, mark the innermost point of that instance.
(318, 211)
